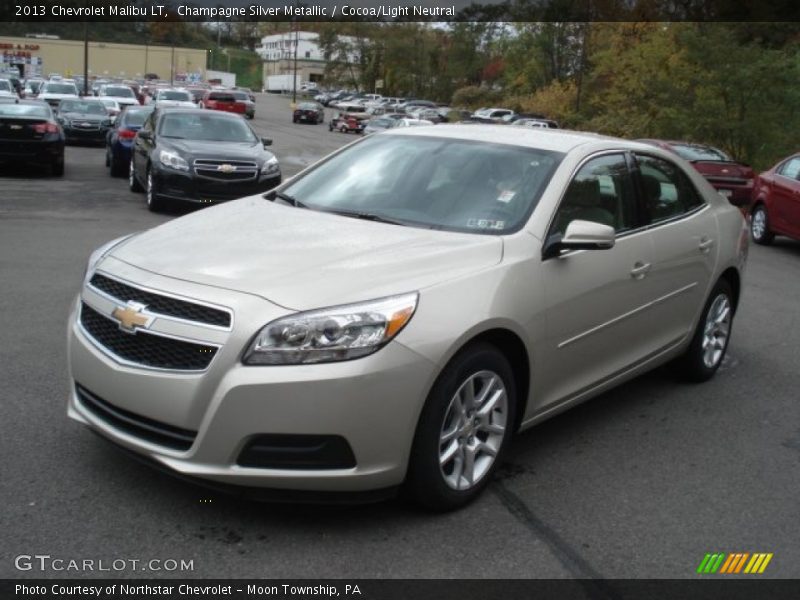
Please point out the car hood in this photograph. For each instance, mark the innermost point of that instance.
(54, 96)
(166, 103)
(123, 100)
(303, 259)
(217, 150)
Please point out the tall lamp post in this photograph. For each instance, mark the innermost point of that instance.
(296, 40)
(86, 58)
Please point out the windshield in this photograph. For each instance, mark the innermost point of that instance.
(208, 127)
(60, 88)
(307, 106)
(108, 102)
(175, 95)
(454, 185)
(241, 96)
(25, 110)
(82, 106)
(688, 152)
(119, 92)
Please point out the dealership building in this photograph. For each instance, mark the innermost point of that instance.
(282, 53)
(43, 55)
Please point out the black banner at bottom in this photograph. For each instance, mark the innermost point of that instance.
(402, 589)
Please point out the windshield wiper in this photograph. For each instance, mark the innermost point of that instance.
(289, 199)
(367, 217)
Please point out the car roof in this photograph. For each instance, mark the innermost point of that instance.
(557, 140)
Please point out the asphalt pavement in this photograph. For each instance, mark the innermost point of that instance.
(641, 482)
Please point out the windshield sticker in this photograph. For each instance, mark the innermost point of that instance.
(506, 196)
(485, 224)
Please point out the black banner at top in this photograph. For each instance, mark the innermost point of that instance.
(399, 10)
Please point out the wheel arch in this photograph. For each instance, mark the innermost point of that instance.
(733, 278)
(513, 348)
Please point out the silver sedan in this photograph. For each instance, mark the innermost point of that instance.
(389, 317)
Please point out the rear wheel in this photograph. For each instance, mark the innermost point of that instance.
(57, 167)
(759, 226)
(710, 341)
(117, 166)
(464, 429)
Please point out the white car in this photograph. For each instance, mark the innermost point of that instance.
(6, 89)
(53, 92)
(121, 93)
(175, 98)
(112, 107)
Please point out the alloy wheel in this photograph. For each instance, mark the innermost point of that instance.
(716, 330)
(759, 224)
(473, 430)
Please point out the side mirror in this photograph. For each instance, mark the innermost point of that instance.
(580, 235)
(266, 142)
(145, 135)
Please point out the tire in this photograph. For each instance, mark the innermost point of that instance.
(57, 168)
(133, 183)
(449, 431)
(759, 226)
(710, 341)
(117, 168)
(154, 203)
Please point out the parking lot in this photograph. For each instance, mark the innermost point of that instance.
(640, 482)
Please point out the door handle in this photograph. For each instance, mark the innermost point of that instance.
(705, 245)
(640, 269)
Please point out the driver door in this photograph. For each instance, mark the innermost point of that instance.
(597, 320)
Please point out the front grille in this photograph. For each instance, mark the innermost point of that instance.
(144, 348)
(164, 305)
(226, 170)
(136, 425)
(85, 125)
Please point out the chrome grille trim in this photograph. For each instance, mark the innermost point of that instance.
(209, 168)
(162, 315)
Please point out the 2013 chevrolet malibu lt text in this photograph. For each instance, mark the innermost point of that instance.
(388, 318)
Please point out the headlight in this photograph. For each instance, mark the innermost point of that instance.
(331, 334)
(96, 256)
(172, 160)
(271, 166)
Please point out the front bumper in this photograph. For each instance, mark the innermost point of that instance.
(188, 187)
(97, 136)
(373, 403)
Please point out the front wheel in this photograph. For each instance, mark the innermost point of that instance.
(154, 203)
(759, 226)
(133, 183)
(463, 431)
(710, 342)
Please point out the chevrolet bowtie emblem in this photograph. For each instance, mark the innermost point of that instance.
(130, 317)
(226, 168)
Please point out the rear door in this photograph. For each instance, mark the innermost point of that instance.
(685, 242)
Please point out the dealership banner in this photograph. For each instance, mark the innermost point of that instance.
(396, 10)
(401, 589)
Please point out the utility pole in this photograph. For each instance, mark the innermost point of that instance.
(296, 39)
(172, 67)
(86, 58)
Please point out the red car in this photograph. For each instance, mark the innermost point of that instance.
(731, 179)
(776, 202)
(222, 100)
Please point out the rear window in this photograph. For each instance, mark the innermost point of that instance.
(687, 152)
(222, 97)
(136, 118)
(60, 88)
(120, 92)
(175, 95)
(25, 110)
(241, 96)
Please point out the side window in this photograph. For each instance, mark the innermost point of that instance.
(602, 192)
(791, 168)
(668, 193)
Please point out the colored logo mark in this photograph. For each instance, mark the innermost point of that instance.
(736, 562)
